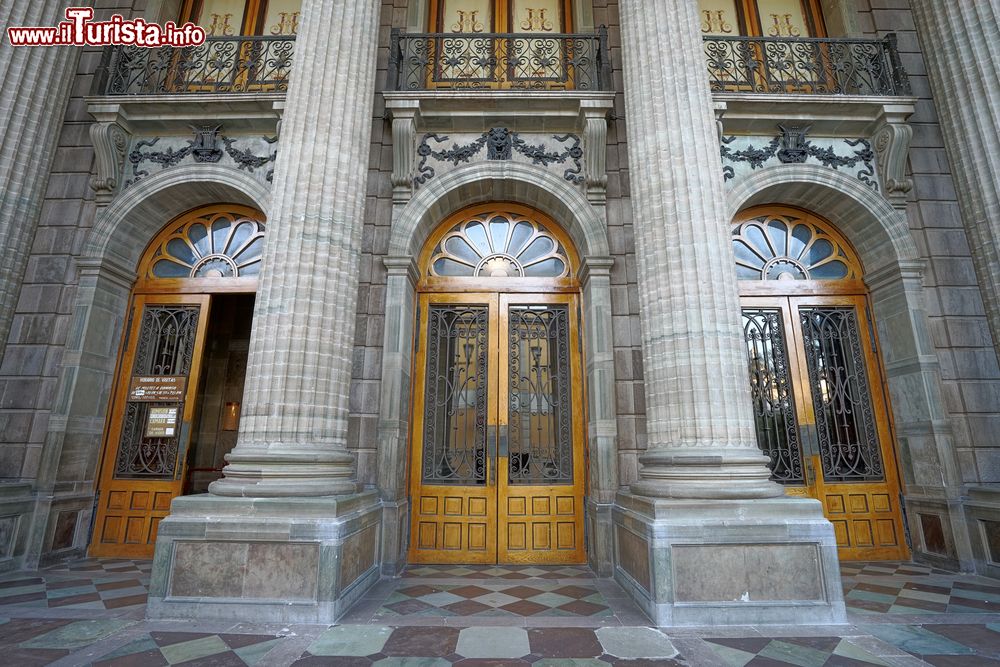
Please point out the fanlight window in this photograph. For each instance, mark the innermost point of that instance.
(782, 247)
(499, 245)
(218, 245)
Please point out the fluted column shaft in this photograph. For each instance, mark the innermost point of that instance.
(292, 439)
(34, 87)
(698, 412)
(961, 50)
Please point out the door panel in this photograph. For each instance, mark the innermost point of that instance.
(542, 475)
(150, 423)
(819, 355)
(496, 471)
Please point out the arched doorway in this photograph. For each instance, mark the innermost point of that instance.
(175, 403)
(497, 440)
(820, 401)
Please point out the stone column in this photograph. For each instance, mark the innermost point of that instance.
(961, 48)
(34, 88)
(704, 537)
(698, 411)
(293, 435)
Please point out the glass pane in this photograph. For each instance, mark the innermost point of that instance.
(281, 17)
(198, 236)
(540, 247)
(547, 268)
(222, 18)
(719, 17)
(181, 251)
(166, 268)
(771, 391)
(455, 411)
(465, 16)
(458, 247)
(539, 396)
(536, 16)
(165, 347)
(845, 421)
(783, 18)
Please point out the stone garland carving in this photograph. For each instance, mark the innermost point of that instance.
(792, 146)
(500, 144)
(204, 147)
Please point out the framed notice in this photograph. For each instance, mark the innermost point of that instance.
(157, 388)
(161, 423)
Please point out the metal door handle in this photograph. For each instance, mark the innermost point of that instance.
(491, 453)
(502, 442)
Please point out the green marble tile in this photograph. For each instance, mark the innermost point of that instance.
(351, 640)
(731, 656)
(77, 635)
(803, 656)
(253, 654)
(915, 639)
(138, 646)
(194, 649)
(412, 662)
(846, 649)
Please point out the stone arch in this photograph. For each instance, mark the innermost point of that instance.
(122, 231)
(498, 181)
(106, 272)
(412, 225)
(894, 272)
(877, 230)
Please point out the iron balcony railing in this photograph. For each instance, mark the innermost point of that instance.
(811, 66)
(220, 65)
(538, 61)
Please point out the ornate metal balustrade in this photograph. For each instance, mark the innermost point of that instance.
(539, 61)
(220, 65)
(811, 66)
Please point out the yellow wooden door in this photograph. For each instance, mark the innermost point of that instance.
(497, 470)
(149, 425)
(822, 415)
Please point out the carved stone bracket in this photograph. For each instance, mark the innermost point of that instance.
(110, 143)
(405, 116)
(892, 146)
(594, 118)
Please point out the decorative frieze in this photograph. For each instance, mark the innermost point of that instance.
(500, 143)
(793, 146)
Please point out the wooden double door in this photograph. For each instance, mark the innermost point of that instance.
(822, 415)
(150, 423)
(497, 469)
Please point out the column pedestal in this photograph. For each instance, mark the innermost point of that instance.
(281, 560)
(724, 562)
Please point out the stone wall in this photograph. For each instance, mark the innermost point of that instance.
(958, 325)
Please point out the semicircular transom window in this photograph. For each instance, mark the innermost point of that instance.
(499, 244)
(783, 247)
(217, 245)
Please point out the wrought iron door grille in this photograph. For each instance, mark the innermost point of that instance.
(539, 396)
(220, 65)
(455, 395)
(165, 347)
(421, 61)
(845, 422)
(771, 390)
(809, 66)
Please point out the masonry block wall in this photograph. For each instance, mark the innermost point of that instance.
(958, 325)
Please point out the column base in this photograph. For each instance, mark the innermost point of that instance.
(728, 562)
(284, 560)
(286, 472)
(674, 472)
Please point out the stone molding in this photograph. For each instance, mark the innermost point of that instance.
(880, 121)
(535, 113)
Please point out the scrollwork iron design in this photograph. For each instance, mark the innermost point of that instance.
(165, 347)
(805, 66)
(541, 61)
(838, 379)
(219, 65)
(539, 396)
(455, 408)
(771, 392)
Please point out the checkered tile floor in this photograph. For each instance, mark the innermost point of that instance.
(92, 613)
(889, 588)
(541, 598)
(88, 584)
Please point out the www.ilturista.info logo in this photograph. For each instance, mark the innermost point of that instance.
(79, 30)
